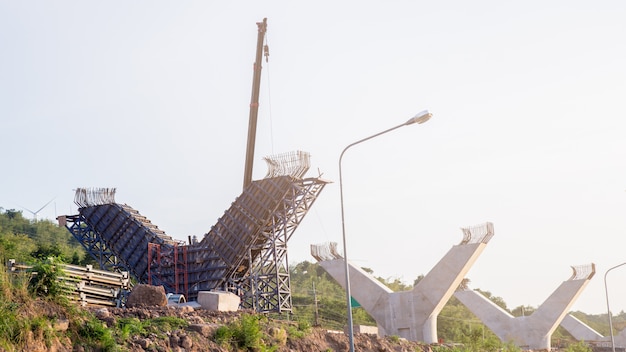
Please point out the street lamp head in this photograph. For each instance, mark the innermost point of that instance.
(420, 118)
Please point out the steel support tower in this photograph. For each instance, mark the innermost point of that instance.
(245, 252)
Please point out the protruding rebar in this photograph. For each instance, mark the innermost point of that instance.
(477, 234)
(88, 197)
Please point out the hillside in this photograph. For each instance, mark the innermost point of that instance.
(30, 315)
(49, 325)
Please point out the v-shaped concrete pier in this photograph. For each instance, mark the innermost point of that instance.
(583, 332)
(533, 331)
(579, 330)
(409, 314)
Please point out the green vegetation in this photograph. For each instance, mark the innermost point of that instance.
(127, 327)
(28, 241)
(44, 279)
(243, 334)
(11, 328)
(248, 333)
(93, 333)
(30, 307)
(314, 290)
(299, 330)
(580, 346)
(317, 301)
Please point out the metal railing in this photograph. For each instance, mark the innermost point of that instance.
(86, 285)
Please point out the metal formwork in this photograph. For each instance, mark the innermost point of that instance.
(126, 233)
(245, 252)
(167, 266)
(93, 243)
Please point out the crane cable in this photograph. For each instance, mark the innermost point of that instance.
(266, 53)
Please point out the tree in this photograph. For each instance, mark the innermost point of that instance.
(499, 301)
(24, 240)
(521, 311)
(16, 246)
(418, 279)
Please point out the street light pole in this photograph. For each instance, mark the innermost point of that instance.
(420, 118)
(606, 290)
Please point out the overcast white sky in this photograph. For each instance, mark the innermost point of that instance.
(152, 97)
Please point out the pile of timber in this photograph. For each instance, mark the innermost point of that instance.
(87, 285)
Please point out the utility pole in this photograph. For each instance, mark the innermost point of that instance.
(317, 322)
(254, 104)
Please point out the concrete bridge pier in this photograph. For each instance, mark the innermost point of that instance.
(533, 331)
(583, 332)
(579, 330)
(409, 314)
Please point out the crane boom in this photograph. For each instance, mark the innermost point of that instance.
(254, 104)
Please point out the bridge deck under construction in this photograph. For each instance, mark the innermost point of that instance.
(244, 252)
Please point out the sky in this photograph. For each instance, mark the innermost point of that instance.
(152, 98)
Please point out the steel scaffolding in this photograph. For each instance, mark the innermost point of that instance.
(245, 252)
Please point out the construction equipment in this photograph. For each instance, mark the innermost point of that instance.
(245, 252)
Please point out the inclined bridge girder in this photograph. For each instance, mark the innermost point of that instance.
(244, 252)
(125, 233)
(93, 243)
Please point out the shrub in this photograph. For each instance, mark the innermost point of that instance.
(223, 335)
(248, 335)
(41, 328)
(304, 325)
(97, 335)
(394, 338)
(13, 292)
(11, 325)
(45, 279)
(127, 327)
(579, 346)
(243, 334)
(278, 336)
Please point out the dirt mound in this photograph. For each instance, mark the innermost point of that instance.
(198, 336)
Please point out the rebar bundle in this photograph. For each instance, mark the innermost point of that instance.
(477, 234)
(583, 272)
(88, 197)
(325, 251)
(294, 164)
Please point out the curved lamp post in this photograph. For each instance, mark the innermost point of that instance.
(420, 118)
(606, 290)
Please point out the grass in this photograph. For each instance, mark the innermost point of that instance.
(300, 330)
(127, 327)
(29, 308)
(14, 291)
(243, 334)
(95, 335)
(31, 304)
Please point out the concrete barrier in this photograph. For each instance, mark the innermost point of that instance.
(219, 301)
(365, 329)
